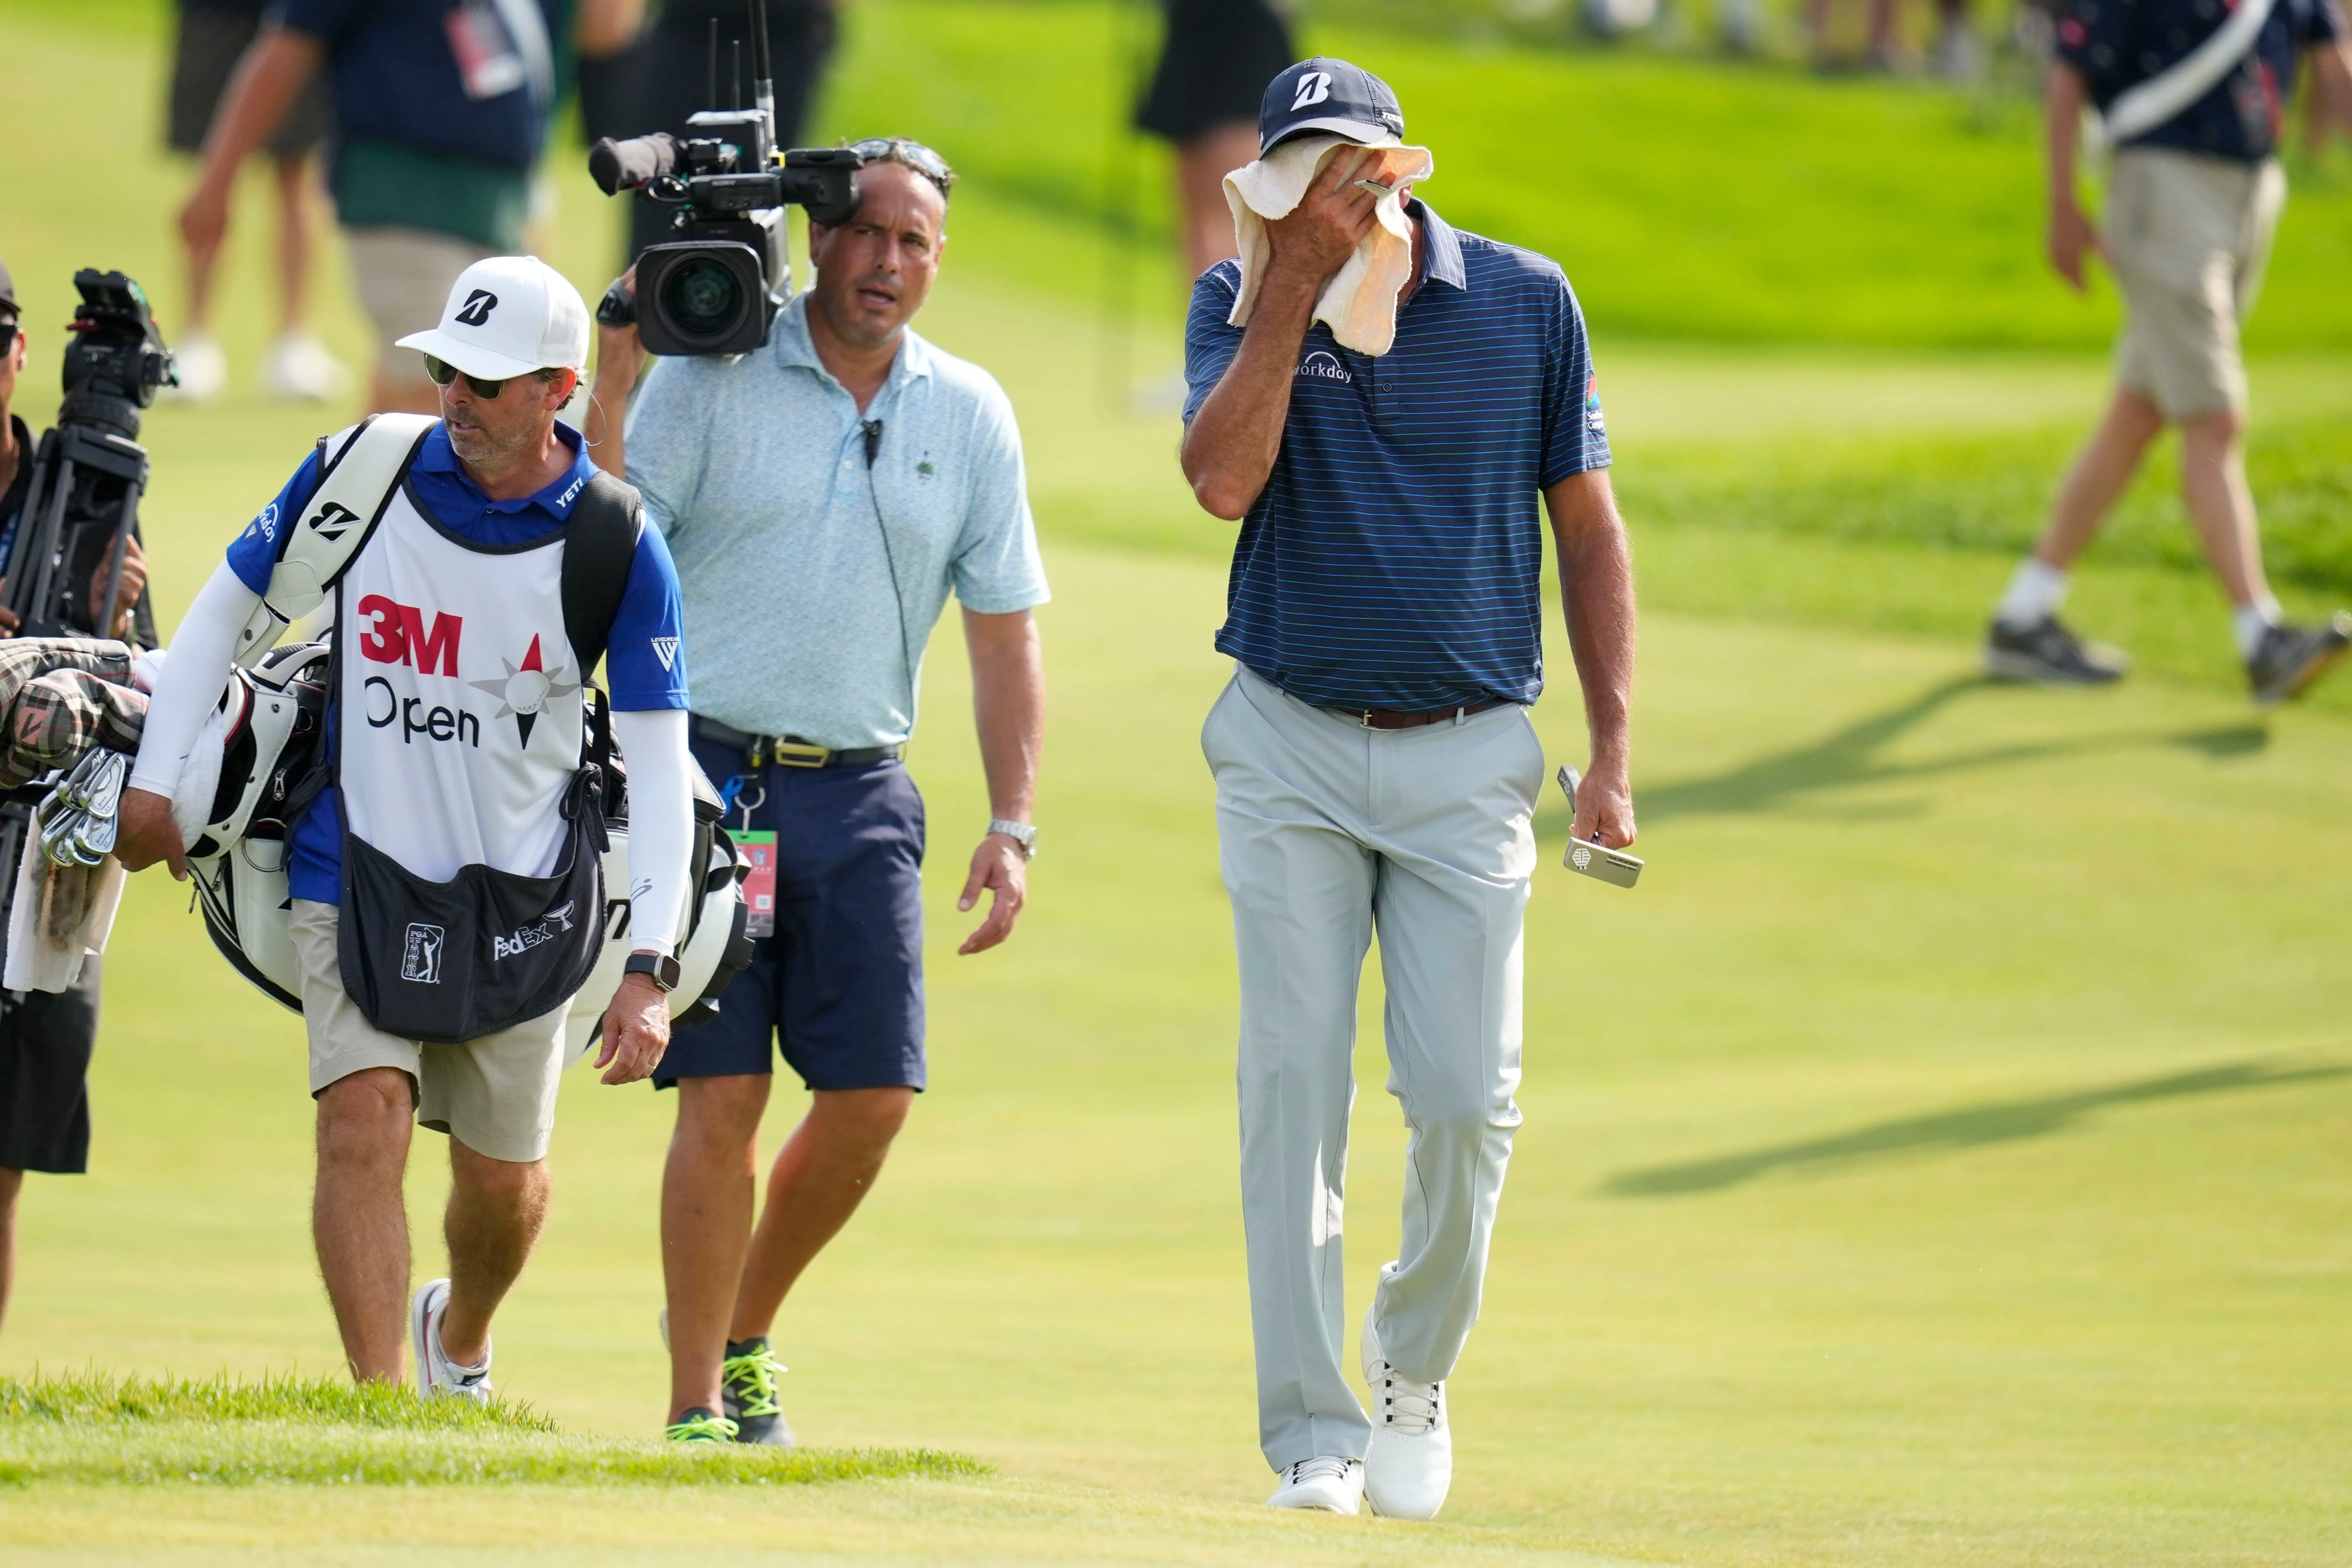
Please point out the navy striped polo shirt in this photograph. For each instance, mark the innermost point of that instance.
(1395, 558)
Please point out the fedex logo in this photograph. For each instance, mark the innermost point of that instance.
(399, 636)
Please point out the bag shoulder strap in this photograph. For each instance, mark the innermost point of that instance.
(357, 482)
(599, 545)
(2143, 108)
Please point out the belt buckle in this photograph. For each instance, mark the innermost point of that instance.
(1364, 719)
(800, 753)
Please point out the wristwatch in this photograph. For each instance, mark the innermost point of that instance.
(1022, 833)
(659, 968)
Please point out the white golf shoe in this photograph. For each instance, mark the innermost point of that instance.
(203, 369)
(1329, 1484)
(298, 369)
(438, 1377)
(1411, 1462)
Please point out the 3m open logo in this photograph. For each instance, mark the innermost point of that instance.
(476, 310)
(332, 520)
(1313, 88)
(420, 956)
(666, 650)
(1324, 366)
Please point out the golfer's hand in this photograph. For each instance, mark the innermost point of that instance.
(2073, 237)
(1319, 236)
(134, 583)
(204, 220)
(636, 1031)
(620, 351)
(146, 833)
(1604, 804)
(999, 868)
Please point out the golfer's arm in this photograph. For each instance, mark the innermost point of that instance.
(202, 650)
(661, 823)
(1008, 707)
(268, 80)
(1231, 445)
(1596, 583)
(2063, 98)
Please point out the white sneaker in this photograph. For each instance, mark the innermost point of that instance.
(298, 369)
(438, 1377)
(1411, 1462)
(203, 369)
(1329, 1484)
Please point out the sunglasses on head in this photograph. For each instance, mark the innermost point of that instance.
(913, 155)
(443, 372)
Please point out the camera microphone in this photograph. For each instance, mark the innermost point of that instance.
(618, 166)
(873, 441)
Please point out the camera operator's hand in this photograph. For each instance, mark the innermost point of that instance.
(134, 583)
(620, 359)
(636, 1031)
(148, 834)
(1315, 240)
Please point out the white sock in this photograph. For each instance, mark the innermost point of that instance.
(2035, 592)
(2250, 621)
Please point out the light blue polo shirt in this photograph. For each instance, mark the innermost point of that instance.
(754, 468)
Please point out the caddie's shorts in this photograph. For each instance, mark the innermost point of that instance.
(403, 278)
(44, 1046)
(839, 986)
(2189, 237)
(494, 1094)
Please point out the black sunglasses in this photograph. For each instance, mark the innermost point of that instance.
(443, 373)
(7, 336)
(913, 155)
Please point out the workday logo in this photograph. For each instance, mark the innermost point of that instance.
(1324, 366)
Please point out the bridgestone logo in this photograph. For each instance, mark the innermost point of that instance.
(538, 933)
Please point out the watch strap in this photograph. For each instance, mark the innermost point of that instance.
(1022, 833)
(661, 968)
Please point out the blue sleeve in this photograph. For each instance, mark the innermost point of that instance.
(2324, 25)
(666, 429)
(645, 660)
(1575, 439)
(253, 554)
(328, 19)
(1210, 344)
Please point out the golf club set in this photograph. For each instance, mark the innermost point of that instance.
(77, 819)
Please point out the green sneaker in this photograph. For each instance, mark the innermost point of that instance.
(699, 1425)
(747, 1389)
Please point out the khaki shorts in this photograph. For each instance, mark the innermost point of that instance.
(2189, 237)
(494, 1094)
(404, 276)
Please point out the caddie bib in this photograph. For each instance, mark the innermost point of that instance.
(472, 888)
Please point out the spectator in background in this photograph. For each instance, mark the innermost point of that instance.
(1956, 56)
(670, 78)
(441, 111)
(2191, 206)
(212, 35)
(1214, 67)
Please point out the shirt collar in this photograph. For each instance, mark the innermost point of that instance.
(1440, 247)
(555, 498)
(793, 346)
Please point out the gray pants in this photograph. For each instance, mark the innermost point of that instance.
(1330, 832)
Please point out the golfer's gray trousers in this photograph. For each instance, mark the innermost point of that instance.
(1328, 833)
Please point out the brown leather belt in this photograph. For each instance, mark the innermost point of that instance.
(1386, 718)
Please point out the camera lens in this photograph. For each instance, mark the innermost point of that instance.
(702, 298)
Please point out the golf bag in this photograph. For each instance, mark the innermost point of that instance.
(269, 733)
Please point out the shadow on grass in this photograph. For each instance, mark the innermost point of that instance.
(1973, 1127)
(1851, 756)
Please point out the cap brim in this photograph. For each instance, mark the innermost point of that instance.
(470, 357)
(1363, 132)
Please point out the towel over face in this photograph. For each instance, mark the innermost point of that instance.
(1359, 303)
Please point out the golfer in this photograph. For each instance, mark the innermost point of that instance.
(824, 495)
(457, 725)
(2191, 206)
(1374, 764)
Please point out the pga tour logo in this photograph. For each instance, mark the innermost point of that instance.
(420, 954)
(1323, 366)
(558, 921)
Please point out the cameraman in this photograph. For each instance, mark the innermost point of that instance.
(45, 1038)
(822, 495)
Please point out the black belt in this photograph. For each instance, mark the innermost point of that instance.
(1387, 718)
(788, 750)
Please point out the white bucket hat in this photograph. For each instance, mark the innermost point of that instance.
(508, 316)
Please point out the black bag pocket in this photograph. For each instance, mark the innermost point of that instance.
(457, 960)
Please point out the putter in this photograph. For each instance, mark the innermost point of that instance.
(1595, 859)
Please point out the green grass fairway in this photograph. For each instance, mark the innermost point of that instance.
(1939, 1161)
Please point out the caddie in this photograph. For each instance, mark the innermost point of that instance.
(2193, 95)
(446, 894)
(1374, 764)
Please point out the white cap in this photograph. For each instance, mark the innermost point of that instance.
(506, 316)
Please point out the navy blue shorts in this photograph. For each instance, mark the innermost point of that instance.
(839, 986)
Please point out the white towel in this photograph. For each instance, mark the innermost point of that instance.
(1359, 302)
(60, 914)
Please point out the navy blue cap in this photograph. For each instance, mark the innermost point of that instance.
(1325, 94)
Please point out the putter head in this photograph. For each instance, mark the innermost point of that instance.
(1615, 867)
